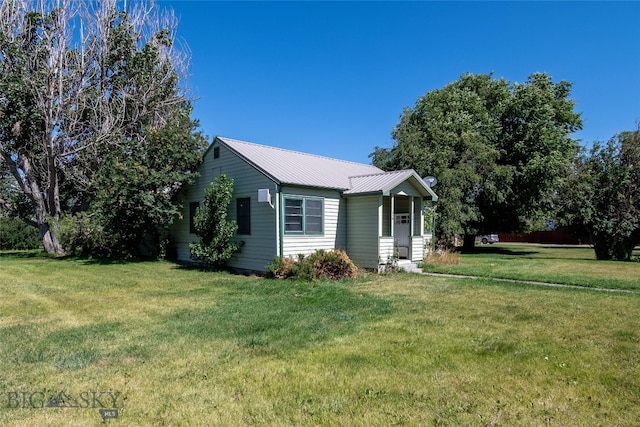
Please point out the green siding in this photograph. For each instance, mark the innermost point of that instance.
(406, 188)
(362, 230)
(261, 246)
(334, 232)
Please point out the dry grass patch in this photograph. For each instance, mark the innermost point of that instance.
(440, 257)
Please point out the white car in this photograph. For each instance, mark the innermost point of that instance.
(489, 238)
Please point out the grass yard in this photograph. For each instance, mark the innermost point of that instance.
(165, 345)
(552, 264)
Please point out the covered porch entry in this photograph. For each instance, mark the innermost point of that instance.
(401, 228)
(385, 218)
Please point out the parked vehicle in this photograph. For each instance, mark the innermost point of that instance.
(489, 238)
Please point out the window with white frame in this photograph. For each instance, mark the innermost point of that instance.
(303, 215)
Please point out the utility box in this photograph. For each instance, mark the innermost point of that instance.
(264, 196)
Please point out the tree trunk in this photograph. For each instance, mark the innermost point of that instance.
(469, 243)
(50, 242)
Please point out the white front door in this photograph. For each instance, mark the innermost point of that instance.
(402, 232)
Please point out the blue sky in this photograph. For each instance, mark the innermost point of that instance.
(332, 78)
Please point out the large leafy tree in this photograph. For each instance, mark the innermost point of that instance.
(134, 200)
(498, 150)
(602, 196)
(92, 116)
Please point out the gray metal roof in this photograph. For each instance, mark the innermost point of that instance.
(293, 167)
(309, 170)
(387, 181)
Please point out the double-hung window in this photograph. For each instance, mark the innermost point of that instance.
(303, 215)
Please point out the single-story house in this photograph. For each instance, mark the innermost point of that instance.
(288, 203)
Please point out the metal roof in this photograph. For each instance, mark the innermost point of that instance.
(293, 167)
(387, 181)
(309, 170)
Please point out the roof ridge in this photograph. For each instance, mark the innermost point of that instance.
(270, 147)
(381, 173)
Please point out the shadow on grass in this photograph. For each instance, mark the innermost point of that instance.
(499, 250)
(88, 260)
(193, 266)
(106, 261)
(18, 254)
(539, 251)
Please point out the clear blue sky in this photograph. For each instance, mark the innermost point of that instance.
(332, 78)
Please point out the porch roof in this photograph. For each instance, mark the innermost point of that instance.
(384, 183)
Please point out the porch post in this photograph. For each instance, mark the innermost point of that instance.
(412, 228)
(380, 215)
(392, 210)
(421, 210)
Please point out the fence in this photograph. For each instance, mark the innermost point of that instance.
(559, 237)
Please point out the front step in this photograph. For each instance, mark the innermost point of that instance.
(404, 264)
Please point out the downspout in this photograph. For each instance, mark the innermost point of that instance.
(379, 238)
(345, 211)
(280, 222)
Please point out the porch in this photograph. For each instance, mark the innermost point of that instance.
(401, 233)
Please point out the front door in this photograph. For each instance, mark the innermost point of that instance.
(402, 234)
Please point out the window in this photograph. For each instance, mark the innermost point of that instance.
(303, 215)
(313, 216)
(216, 152)
(243, 215)
(193, 207)
(293, 215)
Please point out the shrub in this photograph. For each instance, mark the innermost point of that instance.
(15, 234)
(213, 227)
(443, 257)
(331, 265)
(321, 264)
(281, 268)
(81, 235)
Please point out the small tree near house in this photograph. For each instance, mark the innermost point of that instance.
(212, 226)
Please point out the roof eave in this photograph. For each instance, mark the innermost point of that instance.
(319, 187)
(243, 157)
(363, 193)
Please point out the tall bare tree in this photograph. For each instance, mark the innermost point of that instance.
(78, 80)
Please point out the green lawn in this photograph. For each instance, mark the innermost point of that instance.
(554, 264)
(176, 346)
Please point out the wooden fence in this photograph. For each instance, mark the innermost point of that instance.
(559, 237)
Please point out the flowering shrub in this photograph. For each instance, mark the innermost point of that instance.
(321, 264)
